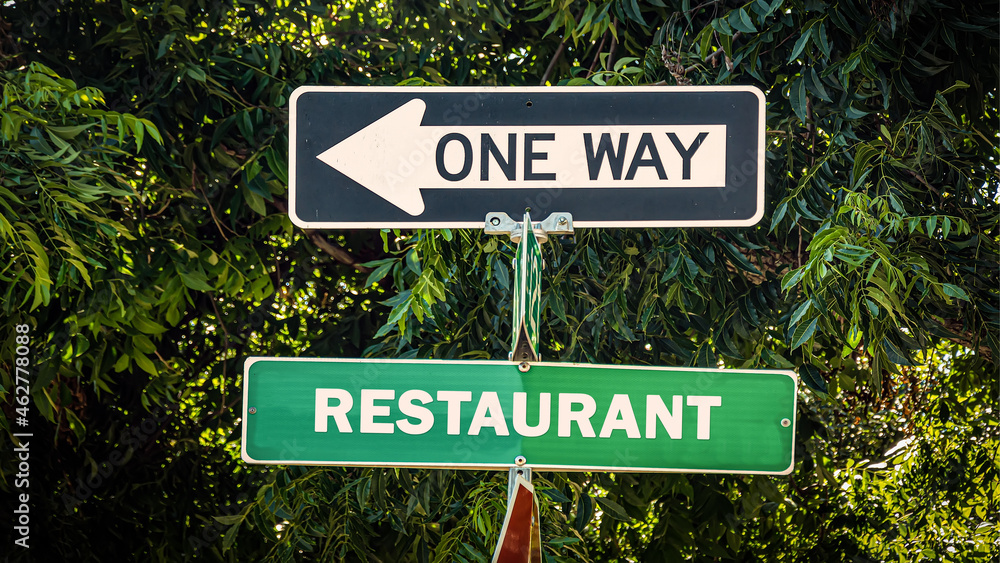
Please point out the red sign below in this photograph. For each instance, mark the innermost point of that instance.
(520, 538)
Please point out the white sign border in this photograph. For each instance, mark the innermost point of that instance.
(536, 467)
(292, 120)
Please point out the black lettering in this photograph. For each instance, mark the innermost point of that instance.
(646, 144)
(687, 153)
(605, 149)
(466, 166)
(530, 155)
(508, 165)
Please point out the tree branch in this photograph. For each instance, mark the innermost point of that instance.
(966, 338)
(558, 53)
(614, 45)
(552, 63)
(339, 253)
(711, 57)
(597, 57)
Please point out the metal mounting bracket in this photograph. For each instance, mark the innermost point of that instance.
(513, 474)
(499, 223)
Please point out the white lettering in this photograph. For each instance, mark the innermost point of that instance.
(567, 415)
(521, 415)
(704, 404)
(423, 414)
(339, 412)
(454, 400)
(620, 417)
(489, 414)
(671, 419)
(369, 411)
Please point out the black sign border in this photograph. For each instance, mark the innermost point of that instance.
(549, 105)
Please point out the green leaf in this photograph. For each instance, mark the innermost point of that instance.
(771, 358)
(705, 356)
(797, 96)
(229, 520)
(766, 487)
(815, 85)
(704, 41)
(800, 312)
(255, 201)
(812, 377)
(954, 291)
(152, 130)
(144, 363)
(613, 509)
(230, 537)
(70, 131)
(195, 280)
(75, 424)
(555, 494)
(737, 257)
(565, 540)
(197, 74)
(803, 333)
(502, 275)
(792, 277)
(853, 113)
(958, 85)
(379, 272)
(122, 363)
(800, 45)
(631, 8)
(147, 326)
(413, 261)
(894, 354)
(863, 155)
(165, 44)
(557, 305)
(740, 20)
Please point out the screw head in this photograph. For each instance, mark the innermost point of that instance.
(495, 221)
(523, 367)
(252, 410)
(520, 460)
(563, 220)
(785, 422)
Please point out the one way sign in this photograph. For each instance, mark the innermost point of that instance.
(445, 157)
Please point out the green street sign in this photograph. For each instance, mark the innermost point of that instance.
(527, 294)
(482, 415)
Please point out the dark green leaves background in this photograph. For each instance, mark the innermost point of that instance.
(143, 186)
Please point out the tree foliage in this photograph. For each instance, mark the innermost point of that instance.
(143, 178)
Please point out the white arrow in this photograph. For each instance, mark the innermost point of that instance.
(395, 157)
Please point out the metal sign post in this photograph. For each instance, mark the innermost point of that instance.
(528, 266)
(520, 538)
(381, 157)
(527, 295)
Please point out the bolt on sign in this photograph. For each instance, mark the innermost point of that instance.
(484, 414)
(423, 157)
